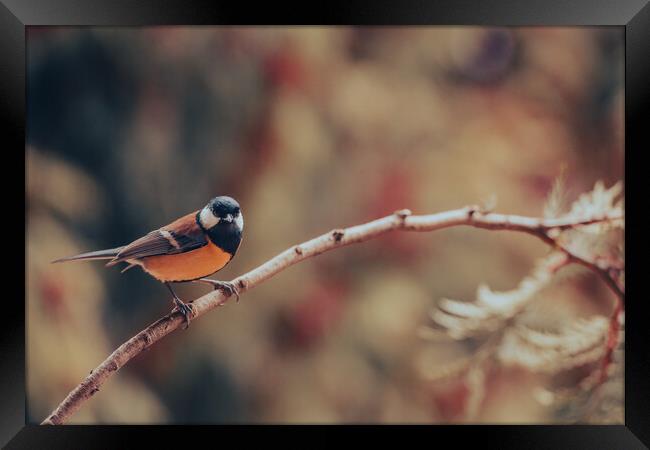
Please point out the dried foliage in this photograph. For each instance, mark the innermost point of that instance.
(579, 343)
(557, 198)
(601, 202)
(491, 310)
(593, 399)
(500, 321)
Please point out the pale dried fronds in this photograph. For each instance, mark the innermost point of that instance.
(588, 232)
(599, 242)
(492, 309)
(600, 202)
(591, 400)
(579, 343)
(556, 203)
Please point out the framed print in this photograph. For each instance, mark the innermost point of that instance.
(416, 214)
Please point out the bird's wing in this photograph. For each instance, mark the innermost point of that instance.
(182, 235)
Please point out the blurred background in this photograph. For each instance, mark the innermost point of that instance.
(309, 129)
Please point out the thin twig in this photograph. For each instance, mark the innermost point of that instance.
(400, 220)
(612, 340)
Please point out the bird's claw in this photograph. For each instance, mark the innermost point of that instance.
(185, 309)
(228, 289)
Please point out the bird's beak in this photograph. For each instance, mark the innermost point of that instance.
(228, 219)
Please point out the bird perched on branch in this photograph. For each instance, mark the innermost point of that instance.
(189, 249)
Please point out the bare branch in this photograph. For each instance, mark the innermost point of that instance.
(400, 220)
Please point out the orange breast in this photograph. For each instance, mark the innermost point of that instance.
(187, 266)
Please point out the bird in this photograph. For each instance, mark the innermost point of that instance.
(188, 249)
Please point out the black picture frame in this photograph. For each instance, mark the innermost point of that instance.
(632, 15)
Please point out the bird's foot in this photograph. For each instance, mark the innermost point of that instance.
(226, 287)
(185, 309)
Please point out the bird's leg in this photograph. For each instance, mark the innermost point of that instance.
(185, 309)
(226, 287)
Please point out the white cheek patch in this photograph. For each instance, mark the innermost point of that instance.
(207, 218)
(239, 221)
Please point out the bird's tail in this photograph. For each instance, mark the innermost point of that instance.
(99, 254)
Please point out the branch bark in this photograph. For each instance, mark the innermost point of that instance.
(400, 220)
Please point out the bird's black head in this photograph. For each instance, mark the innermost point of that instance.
(223, 206)
(223, 223)
(222, 211)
